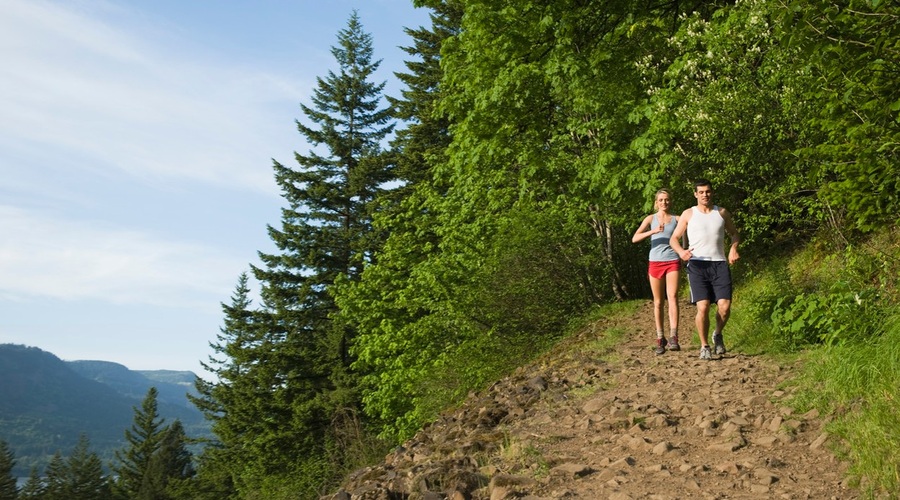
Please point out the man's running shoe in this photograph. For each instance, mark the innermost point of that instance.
(673, 343)
(705, 352)
(719, 344)
(661, 345)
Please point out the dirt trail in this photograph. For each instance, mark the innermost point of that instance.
(629, 425)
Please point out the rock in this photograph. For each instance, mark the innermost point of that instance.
(765, 441)
(571, 470)
(815, 445)
(729, 468)
(662, 447)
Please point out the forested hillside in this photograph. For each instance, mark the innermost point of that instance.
(47, 405)
(433, 241)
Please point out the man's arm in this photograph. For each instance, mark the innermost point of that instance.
(732, 232)
(675, 240)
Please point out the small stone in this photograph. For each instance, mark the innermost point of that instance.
(765, 476)
(765, 441)
(759, 489)
(571, 470)
(775, 424)
(815, 445)
(623, 462)
(793, 424)
(729, 468)
(755, 401)
(739, 421)
(662, 448)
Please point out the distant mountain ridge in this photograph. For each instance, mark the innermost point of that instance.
(172, 385)
(47, 403)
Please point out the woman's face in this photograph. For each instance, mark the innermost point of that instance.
(662, 201)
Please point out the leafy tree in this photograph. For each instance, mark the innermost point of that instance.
(398, 289)
(144, 438)
(8, 486)
(848, 59)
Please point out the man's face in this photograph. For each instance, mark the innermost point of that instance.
(703, 195)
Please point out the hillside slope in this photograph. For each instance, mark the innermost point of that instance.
(600, 419)
(46, 404)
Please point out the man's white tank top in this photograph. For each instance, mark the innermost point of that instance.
(706, 235)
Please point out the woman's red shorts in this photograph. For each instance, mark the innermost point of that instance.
(659, 269)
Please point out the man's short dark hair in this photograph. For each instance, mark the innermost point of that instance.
(702, 182)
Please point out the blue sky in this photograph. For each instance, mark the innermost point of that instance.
(136, 147)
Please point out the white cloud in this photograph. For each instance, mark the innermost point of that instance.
(110, 97)
(42, 256)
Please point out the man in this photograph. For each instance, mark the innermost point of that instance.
(708, 273)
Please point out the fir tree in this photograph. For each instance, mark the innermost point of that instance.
(34, 488)
(56, 479)
(85, 477)
(143, 441)
(8, 486)
(171, 462)
(325, 233)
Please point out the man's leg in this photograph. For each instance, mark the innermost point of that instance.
(723, 311)
(702, 321)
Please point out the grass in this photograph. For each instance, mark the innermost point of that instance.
(858, 384)
(851, 364)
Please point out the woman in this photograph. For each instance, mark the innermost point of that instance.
(664, 268)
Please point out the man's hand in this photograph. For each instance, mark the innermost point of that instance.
(733, 255)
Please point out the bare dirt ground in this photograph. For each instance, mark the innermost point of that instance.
(583, 423)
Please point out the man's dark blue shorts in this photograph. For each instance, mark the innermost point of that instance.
(709, 280)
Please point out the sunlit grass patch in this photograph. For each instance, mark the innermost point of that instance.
(860, 384)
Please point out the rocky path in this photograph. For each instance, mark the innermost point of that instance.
(619, 422)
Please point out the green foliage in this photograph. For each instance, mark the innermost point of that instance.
(34, 487)
(155, 456)
(86, 479)
(840, 315)
(851, 58)
(859, 384)
(143, 438)
(839, 309)
(537, 130)
(78, 477)
(8, 486)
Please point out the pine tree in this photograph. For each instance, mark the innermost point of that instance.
(84, 470)
(34, 488)
(171, 462)
(8, 486)
(143, 441)
(325, 233)
(56, 479)
(231, 401)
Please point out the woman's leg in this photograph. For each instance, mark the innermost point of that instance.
(672, 298)
(657, 287)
